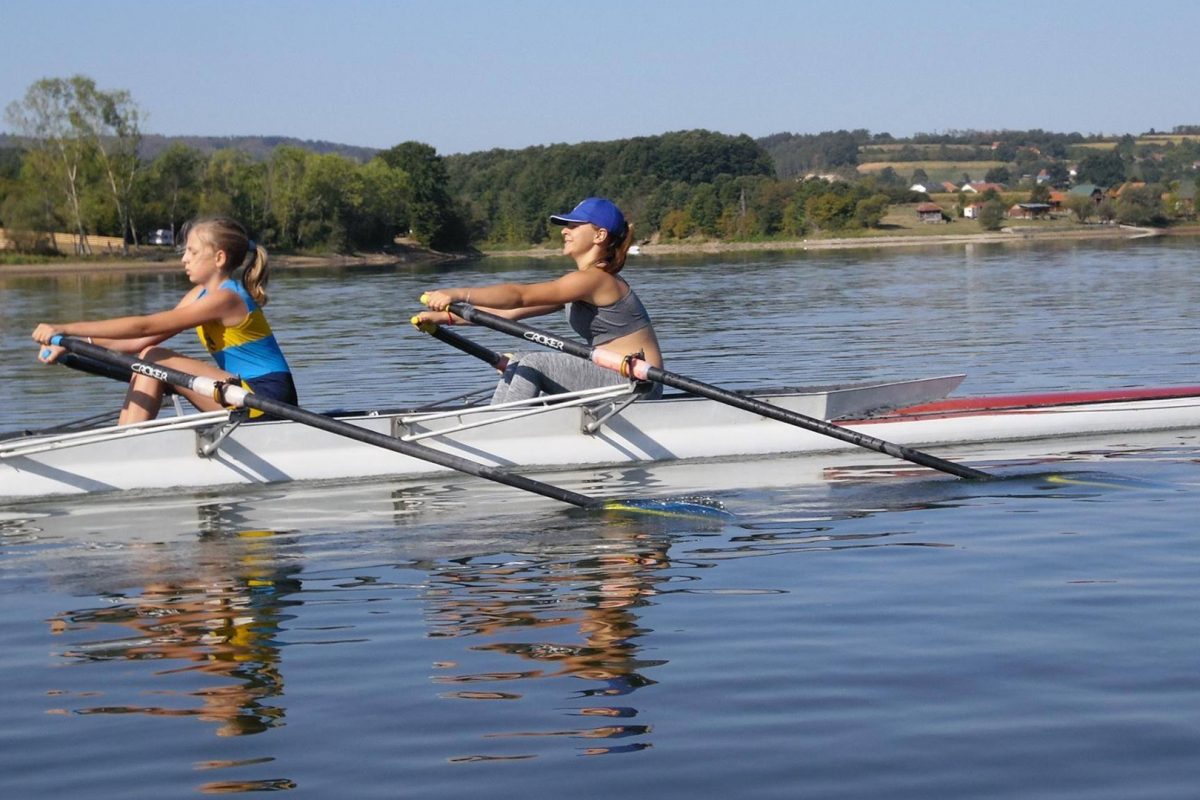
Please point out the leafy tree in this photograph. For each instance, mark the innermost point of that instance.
(677, 224)
(704, 209)
(231, 184)
(1102, 169)
(1082, 206)
(997, 175)
(831, 211)
(1057, 173)
(1106, 210)
(171, 187)
(1040, 193)
(430, 210)
(285, 172)
(869, 211)
(381, 214)
(919, 176)
(109, 121)
(991, 216)
(56, 147)
(1141, 205)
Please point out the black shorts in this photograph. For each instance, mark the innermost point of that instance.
(274, 386)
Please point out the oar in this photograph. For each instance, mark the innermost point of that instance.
(633, 367)
(497, 360)
(236, 396)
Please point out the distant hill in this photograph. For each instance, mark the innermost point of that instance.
(257, 147)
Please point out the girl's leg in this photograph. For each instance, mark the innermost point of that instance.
(550, 373)
(144, 397)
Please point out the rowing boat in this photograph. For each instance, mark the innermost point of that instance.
(603, 426)
(581, 429)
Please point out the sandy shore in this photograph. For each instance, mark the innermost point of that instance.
(414, 255)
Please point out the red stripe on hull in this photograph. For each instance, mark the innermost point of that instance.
(1045, 400)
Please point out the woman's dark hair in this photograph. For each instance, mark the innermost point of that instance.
(616, 249)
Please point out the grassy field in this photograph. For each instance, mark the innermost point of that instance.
(936, 170)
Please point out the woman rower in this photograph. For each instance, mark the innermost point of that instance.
(602, 308)
(226, 313)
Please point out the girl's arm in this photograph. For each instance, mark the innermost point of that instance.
(530, 299)
(131, 334)
(447, 318)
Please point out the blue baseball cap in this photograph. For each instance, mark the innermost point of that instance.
(598, 211)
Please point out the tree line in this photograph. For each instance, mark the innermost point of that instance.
(81, 164)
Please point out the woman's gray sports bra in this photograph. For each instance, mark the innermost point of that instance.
(601, 324)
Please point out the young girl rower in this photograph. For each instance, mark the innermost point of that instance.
(226, 313)
(603, 309)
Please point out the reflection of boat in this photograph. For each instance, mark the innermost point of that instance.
(210, 450)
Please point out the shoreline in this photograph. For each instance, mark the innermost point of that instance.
(415, 255)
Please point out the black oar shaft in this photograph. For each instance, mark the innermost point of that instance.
(637, 368)
(497, 360)
(232, 395)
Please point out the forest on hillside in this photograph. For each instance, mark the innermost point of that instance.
(78, 162)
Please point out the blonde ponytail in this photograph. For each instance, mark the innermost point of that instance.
(255, 276)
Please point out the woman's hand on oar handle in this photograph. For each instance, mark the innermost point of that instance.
(43, 334)
(437, 300)
(439, 303)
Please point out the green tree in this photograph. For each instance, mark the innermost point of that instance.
(1102, 169)
(991, 216)
(869, 211)
(171, 186)
(677, 224)
(997, 175)
(1141, 205)
(285, 171)
(704, 209)
(109, 122)
(831, 211)
(381, 214)
(57, 150)
(430, 211)
(1082, 206)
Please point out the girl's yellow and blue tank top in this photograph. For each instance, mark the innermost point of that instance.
(247, 349)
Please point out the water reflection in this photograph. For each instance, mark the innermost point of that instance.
(218, 617)
(568, 616)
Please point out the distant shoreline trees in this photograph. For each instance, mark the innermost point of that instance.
(79, 167)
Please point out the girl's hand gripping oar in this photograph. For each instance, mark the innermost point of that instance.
(236, 396)
(497, 360)
(638, 369)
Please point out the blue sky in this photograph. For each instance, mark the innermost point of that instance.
(468, 75)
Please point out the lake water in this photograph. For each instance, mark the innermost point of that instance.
(862, 630)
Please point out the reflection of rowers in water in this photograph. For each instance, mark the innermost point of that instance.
(220, 624)
(596, 595)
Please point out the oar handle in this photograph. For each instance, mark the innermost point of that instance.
(496, 360)
(638, 368)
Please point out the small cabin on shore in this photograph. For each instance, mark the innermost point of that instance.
(930, 212)
(1029, 211)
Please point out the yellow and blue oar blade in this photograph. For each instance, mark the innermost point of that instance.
(690, 508)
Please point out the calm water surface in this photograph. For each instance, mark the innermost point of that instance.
(856, 629)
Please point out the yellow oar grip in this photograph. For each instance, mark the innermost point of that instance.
(423, 325)
(424, 298)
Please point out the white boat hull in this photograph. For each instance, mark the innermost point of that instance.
(163, 454)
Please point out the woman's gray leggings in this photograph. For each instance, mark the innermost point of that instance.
(531, 374)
